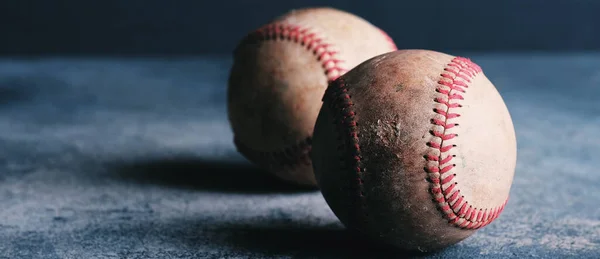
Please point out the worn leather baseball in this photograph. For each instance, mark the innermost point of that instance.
(415, 148)
(278, 78)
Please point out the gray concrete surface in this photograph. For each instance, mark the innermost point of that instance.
(132, 158)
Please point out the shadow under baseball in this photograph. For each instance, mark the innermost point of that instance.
(18, 89)
(198, 173)
(309, 242)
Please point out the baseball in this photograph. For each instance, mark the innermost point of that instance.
(278, 77)
(414, 148)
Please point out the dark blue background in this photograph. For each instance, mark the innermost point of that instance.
(160, 27)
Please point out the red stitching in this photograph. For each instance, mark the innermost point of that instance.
(338, 99)
(324, 54)
(293, 155)
(296, 154)
(453, 205)
(306, 37)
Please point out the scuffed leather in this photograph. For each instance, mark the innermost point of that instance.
(392, 96)
(275, 86)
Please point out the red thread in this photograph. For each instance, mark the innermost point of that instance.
(296, 154)
(322, 50)
(446, 160)
(454, 81)
(454, 196)
(443, 124)
(448, 190)
(336, 97)
(445, 170)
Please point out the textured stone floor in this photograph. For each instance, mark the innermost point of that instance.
(132, 158)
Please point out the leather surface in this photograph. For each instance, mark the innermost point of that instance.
(275, 86)
(392, 97)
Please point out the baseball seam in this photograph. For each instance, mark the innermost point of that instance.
(298, 153)
(340, 100)
(452, 84)
(305, 37)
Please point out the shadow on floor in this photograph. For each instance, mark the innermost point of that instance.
(15, 90)
(204, 174)
(309, 242)
(228, 236)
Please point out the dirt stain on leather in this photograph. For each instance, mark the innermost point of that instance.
(387, 131)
